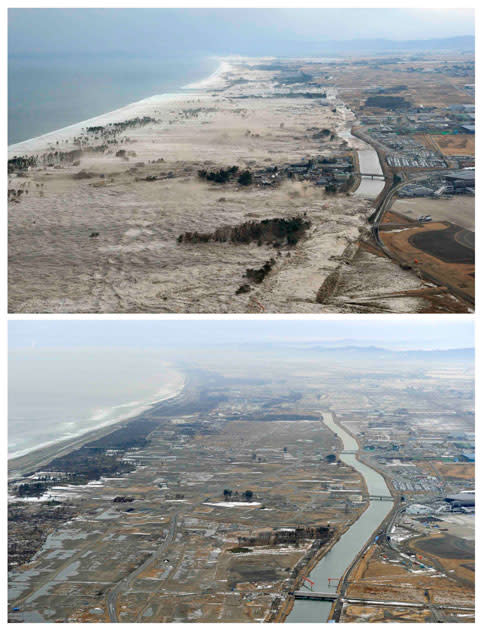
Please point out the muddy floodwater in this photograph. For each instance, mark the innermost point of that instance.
(336, 561)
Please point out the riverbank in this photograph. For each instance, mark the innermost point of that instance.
(285, 610)
(349, 545)
(366, 463)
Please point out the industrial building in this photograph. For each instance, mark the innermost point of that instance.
(462, 499)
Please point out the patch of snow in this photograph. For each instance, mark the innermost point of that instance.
(232, 504)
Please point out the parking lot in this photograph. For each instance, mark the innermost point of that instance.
(458, 209)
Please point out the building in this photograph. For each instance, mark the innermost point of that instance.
(461, 178)
(463, 499)
(283, 535)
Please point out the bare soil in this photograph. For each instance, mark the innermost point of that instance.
(458, 275)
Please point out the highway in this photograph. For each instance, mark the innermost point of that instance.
(126, 582)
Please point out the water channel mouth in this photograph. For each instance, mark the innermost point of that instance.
(339, 558)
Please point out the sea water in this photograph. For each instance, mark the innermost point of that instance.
(54, 395)
(48, 92)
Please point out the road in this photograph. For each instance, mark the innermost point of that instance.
(384, 206)
(126, 582)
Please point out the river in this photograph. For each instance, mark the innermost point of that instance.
(369, 163)
(369, 188)
(337, 560)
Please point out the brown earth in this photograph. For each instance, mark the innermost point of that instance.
(458, 144)
(357, 612)
(445, 245)
(456, 471)
(392, 217)
(455, 555)
(377, 578)
(459, 276)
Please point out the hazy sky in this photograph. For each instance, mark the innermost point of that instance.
(221, 31)
(427, 332)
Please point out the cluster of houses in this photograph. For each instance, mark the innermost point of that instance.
(283, 535)
(335, 173)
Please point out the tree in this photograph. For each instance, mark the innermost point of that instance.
(248, 494)
(245, 178)
(227, 494)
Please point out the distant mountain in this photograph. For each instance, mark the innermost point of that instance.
(373, 352)
(464, 42)
(340, 48)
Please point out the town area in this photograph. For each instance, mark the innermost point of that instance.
(219, 504)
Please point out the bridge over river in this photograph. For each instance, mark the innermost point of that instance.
(339, 558)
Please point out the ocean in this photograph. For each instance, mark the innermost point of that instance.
(54, 395)
(46, 93)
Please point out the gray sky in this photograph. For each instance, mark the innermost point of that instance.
(409, 333)
(221, 31)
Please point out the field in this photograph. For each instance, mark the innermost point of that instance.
(458, 144)
(177, 495)
(453, 554)
(459, 275)
(444, 244)
(383, 575)
(456, 471)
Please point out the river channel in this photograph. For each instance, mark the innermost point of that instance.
(369, 188)
(338, 559)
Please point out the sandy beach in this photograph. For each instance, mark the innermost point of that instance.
(35, 457)
(95, 228)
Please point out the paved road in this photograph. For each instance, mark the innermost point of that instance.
(379, 215)
(126, 582)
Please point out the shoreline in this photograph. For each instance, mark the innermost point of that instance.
(212, 79)
(117, 115)
(252, 123)
(17, 465)
(139, 409)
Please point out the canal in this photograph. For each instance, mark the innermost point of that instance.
(338, 559)
(369, 188)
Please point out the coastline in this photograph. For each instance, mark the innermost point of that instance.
(126, 195)
(136, 108)
(18, 465)
(213, 80)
